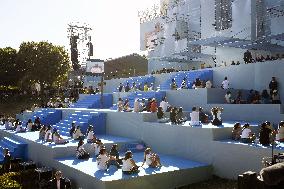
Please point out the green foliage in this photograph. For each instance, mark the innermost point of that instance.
(7, 181)
(41, 62)
(44, 63)
(9, 71)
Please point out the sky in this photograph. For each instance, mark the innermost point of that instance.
(115, 23)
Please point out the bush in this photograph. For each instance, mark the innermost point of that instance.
(7, 180)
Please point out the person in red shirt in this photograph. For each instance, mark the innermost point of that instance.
(153, 106)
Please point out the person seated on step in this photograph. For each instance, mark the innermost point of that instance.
(128, 164)
(19, 128)
(81, 153)
(264, 134)
(275, 97)
(160, 116)
(151, 159)
(136, 105)
(143, 105)
(228, 98)
(239, 98)
(104, 160)
(216, 113)
(164, 104)
(42, 133)
(247, 136)
(8, 125)
(91, 138)
(148, 105)
(154, 105)
(98, 146)
(256, 98)
(6, 161)
(120, 87)
(198, 83)
(59, 182)
(120, 105)
(77, 135)
(151, 87)
(173, 115)
(114, 152)
(250, 96)
(126, 106)
(29, 125)
(237, 131)
(184, 84)
(203, 117)
(265, 97)
(72, 130)
(48, 134)
(208, 84)
(180, 117)
(37, 123)
(57, 139)
(133, 88)
(280, 132)
(174, 85)
(194, 117)
(146, 88)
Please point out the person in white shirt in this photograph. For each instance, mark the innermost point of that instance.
(225, 83)
(57, 139)
(8, 125)
(228, 97)
(208, 84)
(47, 136)
(59, 182)
(247, 136)
(216, 113)
(151, 159)
(98, 145)
(280, 132)
(77, 135)
(128, 164)
(194, 117)
(81, 153)
(104, 160)
(136, 105)
(19, 128)
(164, 104)
(29, 125)
(91, 138)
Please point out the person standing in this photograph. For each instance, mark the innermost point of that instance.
(247, 57)
(7, 161)
(59, 182)
(225, 83)
(273, 85)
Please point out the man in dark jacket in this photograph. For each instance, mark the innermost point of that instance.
(273, 85)
(59, 182)
(247, 57)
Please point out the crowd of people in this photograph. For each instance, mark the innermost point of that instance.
(259, 58)
(267, 133)
(106, 159)
(135, 87)
(254, 96)
(198, 83)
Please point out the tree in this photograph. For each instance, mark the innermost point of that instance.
(9, 71)
(45, 64)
